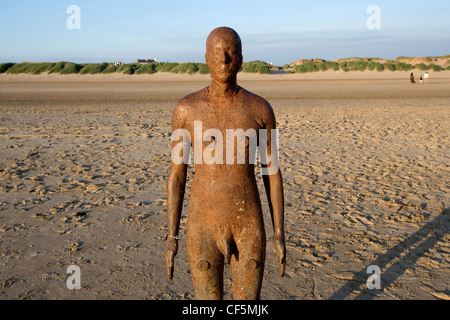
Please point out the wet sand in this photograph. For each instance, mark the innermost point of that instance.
(85, 159)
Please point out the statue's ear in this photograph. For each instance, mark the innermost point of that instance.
(207, 58)
(241, 59)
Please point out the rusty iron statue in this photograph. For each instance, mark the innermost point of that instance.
(225, 220)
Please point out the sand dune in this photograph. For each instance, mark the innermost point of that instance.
(85, 159)
(440, 60)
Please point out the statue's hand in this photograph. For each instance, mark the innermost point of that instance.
(171, 252)
(280, 249)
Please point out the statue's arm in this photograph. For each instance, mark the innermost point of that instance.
(175, 193)
(273, 183)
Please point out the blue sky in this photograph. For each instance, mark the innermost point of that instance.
(174, 30)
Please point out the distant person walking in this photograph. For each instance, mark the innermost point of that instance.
(421, 79)
(411, 78)
(425, 78)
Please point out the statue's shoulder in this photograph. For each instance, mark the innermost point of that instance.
(255, 99)
(257, 103)
(189, 102)
(187, 106)
(192, 99)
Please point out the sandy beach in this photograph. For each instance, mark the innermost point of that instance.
(85, 159)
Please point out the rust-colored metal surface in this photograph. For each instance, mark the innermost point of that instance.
(225, 221)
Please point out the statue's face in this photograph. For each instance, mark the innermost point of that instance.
(223, 54)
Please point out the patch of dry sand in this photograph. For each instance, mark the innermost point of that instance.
(85, 160)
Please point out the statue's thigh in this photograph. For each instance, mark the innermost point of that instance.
(247, 270)
(206, 263)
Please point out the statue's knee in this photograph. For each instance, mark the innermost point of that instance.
(203, 265)
(253, 264)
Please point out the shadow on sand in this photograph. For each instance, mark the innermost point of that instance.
(405, 253)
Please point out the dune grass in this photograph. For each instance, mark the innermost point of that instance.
(5, 66)
(64, 67)
(166, 66)
(322, 66)
(372, 65)
(306, 67)
(94, 68)
(256, 66)
(327, 65)
(333, 65)
(401, 66)
(38, 68)
(436, 67)
(427, 59)
(128, 68)
(146, 69)
(70, 68)
(358, 65)
(30, 67)
(390, 66)
(421, 66)
(353, 65)
(344, 66)
(248, 68)
(185, 67)
(203, 68)
(111, 68)
(57, 67)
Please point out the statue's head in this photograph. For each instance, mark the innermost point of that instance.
(224, 54)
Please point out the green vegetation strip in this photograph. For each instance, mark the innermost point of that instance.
(261, 67)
